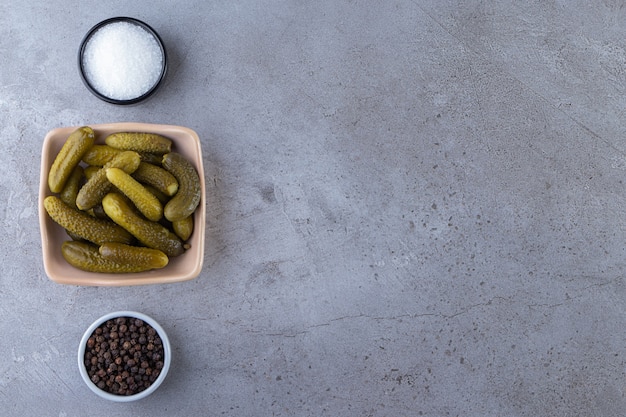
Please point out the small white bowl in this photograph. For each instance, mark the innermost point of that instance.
(167, 356)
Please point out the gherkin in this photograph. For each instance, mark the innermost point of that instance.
(99, 155)
(158, 177)
(72, 186)
(134, 255)
(98, 185)
(139, 142)
(149, 233)
(86, 256)
(80, 224)
(144, 200)
(186, 200)
(69, 157)
(184, 227)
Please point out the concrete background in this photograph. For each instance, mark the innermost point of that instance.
(416, 208)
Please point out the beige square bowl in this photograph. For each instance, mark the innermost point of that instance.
(181, 268)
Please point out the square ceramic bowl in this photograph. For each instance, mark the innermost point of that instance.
(181, 268)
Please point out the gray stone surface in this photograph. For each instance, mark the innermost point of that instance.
(415, 208)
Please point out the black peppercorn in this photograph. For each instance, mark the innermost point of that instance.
(124, 356)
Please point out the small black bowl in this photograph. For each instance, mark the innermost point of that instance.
(101, 95)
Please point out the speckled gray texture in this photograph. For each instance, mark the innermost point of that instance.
(415, 208)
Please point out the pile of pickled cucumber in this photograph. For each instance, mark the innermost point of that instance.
(127, 205)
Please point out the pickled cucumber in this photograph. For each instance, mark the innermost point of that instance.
(98, 212)
(139, 142)
(185, 201)
(149, 233)
(82, 225)
(98, 185)
(86, 256)
(78, 142)
(158, 177)
(158, 194)
(99, 155)
(134, 255)
(151, 158)
(91, 170)
(183, 228)
(72, 185)
(144, 200)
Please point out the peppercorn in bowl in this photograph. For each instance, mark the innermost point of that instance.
(124, 356)
(78, 233)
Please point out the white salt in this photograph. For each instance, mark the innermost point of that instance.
(122, 61)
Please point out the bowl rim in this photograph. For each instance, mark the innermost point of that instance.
(88, 36)
(167, 353)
